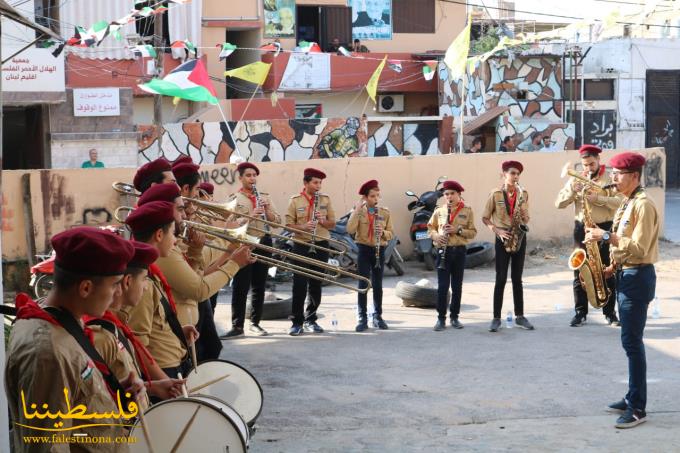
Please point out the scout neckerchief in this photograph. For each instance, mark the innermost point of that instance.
(461, 205)
(169, 306)
(310, 202)
(371, 220)
(510, 201)
(624, 211)
(251, 197)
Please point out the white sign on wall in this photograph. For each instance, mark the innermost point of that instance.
(307, 72)
(96, 102)
(34, 70)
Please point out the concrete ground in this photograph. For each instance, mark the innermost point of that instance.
(672, 216)
(412, 389)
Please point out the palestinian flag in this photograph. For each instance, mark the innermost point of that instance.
(308, 47)
(188, 81)
(272, 47)
(344, 51)
(429, 70)
(227, 49)
(395, 65)
(182, 49)
(143, 51)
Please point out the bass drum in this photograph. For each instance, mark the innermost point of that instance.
(240, 390)
(217, 427)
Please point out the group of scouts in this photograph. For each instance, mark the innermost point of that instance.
(124, 314)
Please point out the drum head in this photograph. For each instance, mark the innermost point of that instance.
(211, 430)
(230, 412)
(240, 390)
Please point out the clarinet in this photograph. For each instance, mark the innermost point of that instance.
(258, 204)
(312, 249)
(376, 236)
(442, 251)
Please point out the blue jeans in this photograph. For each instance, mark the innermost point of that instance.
(451, 277)
(366, 265)
(635, 289)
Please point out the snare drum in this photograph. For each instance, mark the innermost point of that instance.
(240, 390)
(217, 427)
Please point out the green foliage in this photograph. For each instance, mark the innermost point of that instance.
(487, 42)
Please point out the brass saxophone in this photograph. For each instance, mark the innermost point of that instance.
(517, 229)
(589, 263)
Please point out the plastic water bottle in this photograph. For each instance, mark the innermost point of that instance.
(508, 321)
(656, 312)
(558, 307)
(334, 322)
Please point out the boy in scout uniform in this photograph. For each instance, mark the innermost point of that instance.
(602, 208)
(252, 202)
(499, 213)
(119, 347)
(49, 352)
(157, 171)
(451, 227)
(371, 225)
(634, 241)
(311, 211)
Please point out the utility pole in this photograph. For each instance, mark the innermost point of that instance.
(157, 98)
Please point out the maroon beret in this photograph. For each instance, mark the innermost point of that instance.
(145, 255)
(152, 215)
(314, 173)
(367, 186)
(508, 164)
(627, 161)
(149, 170)
(182, 160)
(91, 251)
(184, 169)
(243, 166)
(589, 150)
(452, 185)
(207, 187)
(160, 192)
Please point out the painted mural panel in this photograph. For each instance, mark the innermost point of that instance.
(279, 18)
(521, 129)
(371, 19)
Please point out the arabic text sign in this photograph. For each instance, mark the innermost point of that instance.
(307, 72)
(96, 102)
(34, 70)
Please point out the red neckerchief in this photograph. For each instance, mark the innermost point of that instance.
(371, 220)
(252, 198)
(155, 271)
(311, 204)
(461, 205)
(513, 201)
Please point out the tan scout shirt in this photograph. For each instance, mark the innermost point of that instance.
(359, 224)
(43, 360)
(602, 209)
(116, 356)
(190, 287)
(147, 321)
(464, 220)
(637, 225)
(496, 211)
(299, 213)
(245, 206)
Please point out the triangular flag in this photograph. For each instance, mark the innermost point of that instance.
(372, 85)
(98, 31)
(181, 2)
(188, 81)
(143, 51)
(144, 12)
(395, 65)
(308, 47)
(272, 47)
(429, 69)
(227, 49)
(344, 51)
(253, 72)
(457, 53)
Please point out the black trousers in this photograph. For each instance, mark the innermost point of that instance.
(303, 286)
(253, 276)
(208, 345)
(516, 263)
(580, 298)
(451, 277)
(368, 269)
(185, 367)
(213, 301)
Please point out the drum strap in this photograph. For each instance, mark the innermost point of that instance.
(111, 327)
(172, 320)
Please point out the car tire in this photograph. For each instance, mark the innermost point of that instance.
(273, 309)
(478, 254)
(417, 296)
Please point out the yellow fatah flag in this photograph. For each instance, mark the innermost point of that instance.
(457, 53)
(253, 72)
(372, 85)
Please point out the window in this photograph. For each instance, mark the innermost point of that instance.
(413, 16)
(595, 90)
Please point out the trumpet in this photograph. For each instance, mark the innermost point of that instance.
(239, 235)
(566, 171)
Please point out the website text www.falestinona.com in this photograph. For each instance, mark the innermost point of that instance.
(77, 439)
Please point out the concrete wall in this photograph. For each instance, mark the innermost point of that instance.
(352, 103)
(112, 152)
(63, 198)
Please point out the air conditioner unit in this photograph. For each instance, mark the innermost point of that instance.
(391, 103)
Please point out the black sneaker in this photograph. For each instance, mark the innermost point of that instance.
(495, 325)
(257, 330)
(379, 323)
(441, 325)
(313, 327)
(295, 330)
(362, 325)
(578, 320)
(233, 333)
(631, 418)
(456, 324)
(613, 320)
(619, 406)
(524, 323)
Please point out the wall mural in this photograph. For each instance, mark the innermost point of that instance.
(397, 139)
(521, 129)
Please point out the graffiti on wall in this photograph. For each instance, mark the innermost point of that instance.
(654, 171)
(530, 86)
(521, 130)
(257, 141)
(599, 128)
(397, 139)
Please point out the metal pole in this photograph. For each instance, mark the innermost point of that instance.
(582, 105)
(157, 98)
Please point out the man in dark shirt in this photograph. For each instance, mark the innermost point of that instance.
(506, 146)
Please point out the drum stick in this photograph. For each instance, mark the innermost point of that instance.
(184, 386)
(193, 348)
(145, 427)
(208, 384)
(185, 431)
